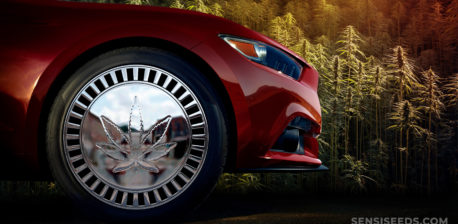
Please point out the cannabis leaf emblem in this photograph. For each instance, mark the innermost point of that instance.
(136, 147)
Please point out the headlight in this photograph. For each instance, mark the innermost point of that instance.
(266, 55)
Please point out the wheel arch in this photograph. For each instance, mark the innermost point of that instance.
(162, 44)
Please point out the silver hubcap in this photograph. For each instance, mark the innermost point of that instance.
(135, 137)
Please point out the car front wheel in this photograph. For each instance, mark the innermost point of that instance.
(137, 132)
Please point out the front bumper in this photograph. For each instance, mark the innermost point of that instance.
(274, 107)
(287, 169)
(265, 102)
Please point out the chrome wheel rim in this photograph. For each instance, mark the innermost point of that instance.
(135, 137)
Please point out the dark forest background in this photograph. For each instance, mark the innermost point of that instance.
(388, 89)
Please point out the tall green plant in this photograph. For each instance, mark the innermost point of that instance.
(400, 70)
(430, 100)
(284, 29)
(349, 50)
(406, 118)
(335, 98)
(355, 173)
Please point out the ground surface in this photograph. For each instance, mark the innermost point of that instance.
(248, 208)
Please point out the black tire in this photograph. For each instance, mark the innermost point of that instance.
(211, 167)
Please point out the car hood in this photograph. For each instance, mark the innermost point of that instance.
(60, 13)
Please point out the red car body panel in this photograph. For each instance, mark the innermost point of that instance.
(41, 39)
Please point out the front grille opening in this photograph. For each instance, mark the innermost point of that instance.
(292, 138)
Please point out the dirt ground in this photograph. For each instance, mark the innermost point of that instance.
(248, 208)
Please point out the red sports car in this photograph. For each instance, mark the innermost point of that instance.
(136, 110)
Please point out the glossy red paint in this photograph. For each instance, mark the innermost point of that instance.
(43, 38)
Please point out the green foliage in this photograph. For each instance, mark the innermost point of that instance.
(285, 30)
(451, 91)
(244, 183)
(137, 2)
(355, 173)
(429, 94)
(197, 5)
(177, 4)
(15, 189)
(405, 116)
(400, 70)
(216, 10)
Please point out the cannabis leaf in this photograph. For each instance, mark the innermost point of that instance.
(134, 148)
